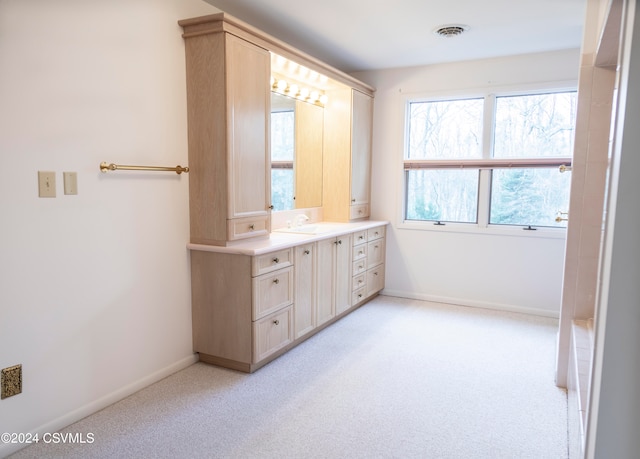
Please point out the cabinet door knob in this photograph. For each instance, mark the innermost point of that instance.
(276, 260)
(306, 252)
(276, 322)
(277, 281)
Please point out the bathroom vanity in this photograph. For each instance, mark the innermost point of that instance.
(262, 283)
(255, 300)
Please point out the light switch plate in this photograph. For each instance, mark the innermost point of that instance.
(70, 182)
(46, 184)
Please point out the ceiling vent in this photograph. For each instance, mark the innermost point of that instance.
(451, 30)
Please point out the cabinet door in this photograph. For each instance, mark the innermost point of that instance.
(325, 306)
(342, 274)
(376, 252)
(248, 103)
(362, 120)
(375, 280)
(304, 302)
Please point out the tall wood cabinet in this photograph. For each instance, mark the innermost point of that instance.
(253, 298)
(228, 104)
(347, 155)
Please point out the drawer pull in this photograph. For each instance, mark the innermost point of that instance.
(306, 252)
(360, 253)
(376, 233)
(359, 295)
(338, 242)
(276, 322)
(362, 237)
(277, 281)
(276, 260)
(252, 227)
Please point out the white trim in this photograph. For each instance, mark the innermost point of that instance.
(472, 303)
(101, 403)
(545, 232)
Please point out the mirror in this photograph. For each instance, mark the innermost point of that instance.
(296, 153)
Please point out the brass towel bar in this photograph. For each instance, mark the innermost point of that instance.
(104, 167)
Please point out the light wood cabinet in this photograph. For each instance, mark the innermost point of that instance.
(334, 277)
(228, 104)
(242, 306)
(347, 155)
(368, 266)
(305, 289)
(326, 307)
(247, 310)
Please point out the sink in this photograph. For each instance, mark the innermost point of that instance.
(313, 228)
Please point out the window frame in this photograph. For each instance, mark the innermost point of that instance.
(484, 165)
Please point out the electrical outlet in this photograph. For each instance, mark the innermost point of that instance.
(11, 381)
(46, 184)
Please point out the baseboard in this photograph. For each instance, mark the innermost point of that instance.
(472, 303)
(103, 402)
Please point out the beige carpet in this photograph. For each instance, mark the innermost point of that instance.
(397, 378)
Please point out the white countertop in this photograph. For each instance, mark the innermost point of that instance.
(283, 240)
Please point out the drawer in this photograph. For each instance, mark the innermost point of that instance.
(375, 280)
(359, 252)
(375, 253)
(375, 233)
(357, 296)
(359, 237)
(272, 333)
(359, 266)
(271, 292)
(359, 211)
(243, 228)
(359, 281)
(269, 262)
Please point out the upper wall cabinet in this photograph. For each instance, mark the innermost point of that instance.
(228, 98)
(229, 87)
(347, 155)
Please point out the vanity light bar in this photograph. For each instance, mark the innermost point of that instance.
(313, 96)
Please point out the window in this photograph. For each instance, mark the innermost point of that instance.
(282, 153)
(489, 161)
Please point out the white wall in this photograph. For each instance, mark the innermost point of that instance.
(94, 288)
(505, 272)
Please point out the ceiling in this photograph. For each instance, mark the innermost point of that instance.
(354, 35)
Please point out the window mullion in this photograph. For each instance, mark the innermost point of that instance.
(484, 184)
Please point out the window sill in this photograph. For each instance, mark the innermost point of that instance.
(490, 230)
